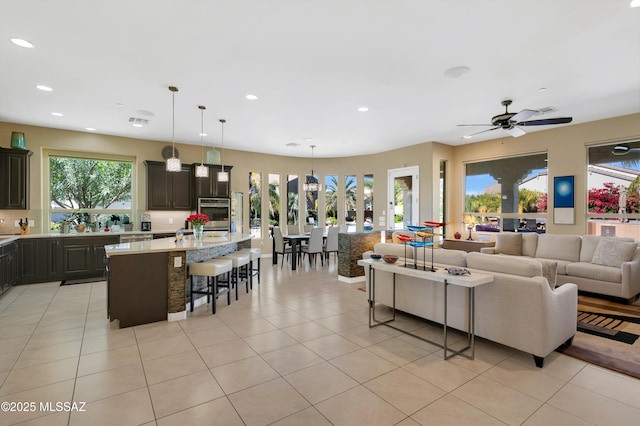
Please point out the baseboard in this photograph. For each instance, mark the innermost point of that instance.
(351, 280)
(177, 316)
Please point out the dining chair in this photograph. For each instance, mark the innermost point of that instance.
(279, 244)
(293, 229)
(331, 245)
(308, 228)
(315, 246)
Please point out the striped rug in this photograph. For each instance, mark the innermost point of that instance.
(608, 335)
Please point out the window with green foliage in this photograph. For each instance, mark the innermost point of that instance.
(90, 191)
(255, 204)
(293, 200)
(274, 200)
(511, 190)
(331, 200)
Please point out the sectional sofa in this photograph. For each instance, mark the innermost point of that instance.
(603, 265)
(518, 309)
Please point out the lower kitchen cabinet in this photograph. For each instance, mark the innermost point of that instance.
(8, 266)
(64, 258)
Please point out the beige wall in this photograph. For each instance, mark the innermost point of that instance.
(566, 147)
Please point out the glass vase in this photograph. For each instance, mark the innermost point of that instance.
(198, 230)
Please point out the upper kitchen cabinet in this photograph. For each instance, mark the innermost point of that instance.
(14, 178)
(210, 187)
(168, 190)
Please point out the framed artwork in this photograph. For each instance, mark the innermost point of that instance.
(563, 200)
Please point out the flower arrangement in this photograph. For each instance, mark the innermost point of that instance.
(198, 219)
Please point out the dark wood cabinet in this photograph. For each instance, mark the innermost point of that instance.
(39, 260)
(63, 258)
(8, 265)
(14, 178)
(137, 288)
(210, 187)
(168, 190)
(84, 257)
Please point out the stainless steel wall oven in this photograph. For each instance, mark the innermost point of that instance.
(219, 212)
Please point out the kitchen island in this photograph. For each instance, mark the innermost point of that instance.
(146, 280)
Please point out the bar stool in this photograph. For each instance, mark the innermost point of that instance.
(256, 254)
(211, 268)
(240, 263)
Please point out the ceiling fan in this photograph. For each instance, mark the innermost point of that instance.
(623, 150)
(511, 121)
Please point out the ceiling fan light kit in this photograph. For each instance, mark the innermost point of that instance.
(510, 122)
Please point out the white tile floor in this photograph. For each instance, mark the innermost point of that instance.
(295, 351)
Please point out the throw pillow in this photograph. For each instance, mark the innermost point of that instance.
(613, 253)
(509, 243)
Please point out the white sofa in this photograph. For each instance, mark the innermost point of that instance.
(602, 265)
(518, 309)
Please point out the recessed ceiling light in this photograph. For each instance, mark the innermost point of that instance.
(456, 72)
(202, 134)
(363, 109)
(251, 97)
(467, 137)
(634, 3)
(44, 88)
(22, 43)
(91, 129)
(57, 114)
(137, 125)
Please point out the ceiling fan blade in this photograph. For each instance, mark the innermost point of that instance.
(523, 115)
(474, 125)
(482, 131)
(546, 121)
(515, 131)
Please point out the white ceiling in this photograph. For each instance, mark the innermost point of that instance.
(313, 63)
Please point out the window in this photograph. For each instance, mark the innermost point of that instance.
(331, 200)
(350, 203)
(292, 200)
(274, 200)
(509, 190)
(368, 202)
(613, 180)
(93, 190)
(311, 201)
(255, 204)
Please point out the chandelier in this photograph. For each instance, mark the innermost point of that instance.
(311, 182)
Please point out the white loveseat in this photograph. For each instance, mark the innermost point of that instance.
(518, 309)
(602, 265)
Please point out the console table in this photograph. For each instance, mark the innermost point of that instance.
(470, 282)
(466, 245)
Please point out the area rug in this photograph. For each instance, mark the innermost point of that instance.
(608, 335)
(82, 281)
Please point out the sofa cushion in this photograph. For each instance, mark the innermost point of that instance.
(559, 247)
(590, 242)
(561, 268)
(529, 244)
(448, 257)
(613, 253)
(509, 243)
(595, 272)
(504, 264)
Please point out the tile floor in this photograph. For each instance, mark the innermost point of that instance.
(295, 351)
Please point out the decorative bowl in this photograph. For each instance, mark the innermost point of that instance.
(390, 258)
(375, 256)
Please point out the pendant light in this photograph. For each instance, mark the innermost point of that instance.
(202, 170)
(173, 164)
(311, 184)
(223, 176)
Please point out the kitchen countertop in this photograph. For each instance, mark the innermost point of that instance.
(169, 244)
(8, 238)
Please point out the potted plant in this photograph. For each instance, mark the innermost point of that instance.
(197, 222)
